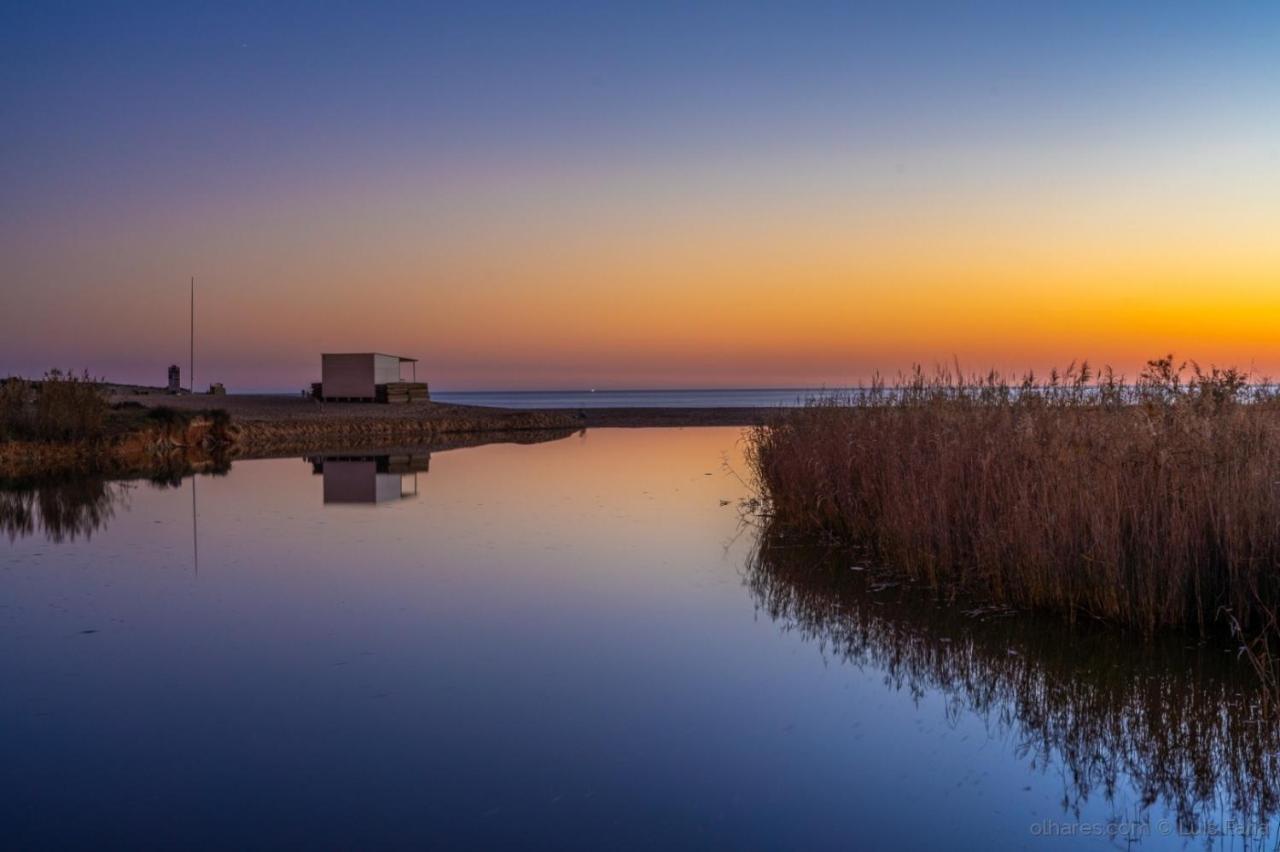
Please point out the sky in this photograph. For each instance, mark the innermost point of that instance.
(553, 195)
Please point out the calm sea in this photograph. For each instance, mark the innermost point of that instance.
(713, 398)
(576, 644)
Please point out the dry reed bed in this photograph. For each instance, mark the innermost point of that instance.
(1150, 505)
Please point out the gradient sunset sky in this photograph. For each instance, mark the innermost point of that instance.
(533, 195)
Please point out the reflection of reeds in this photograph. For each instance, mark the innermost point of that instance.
(62, 509)
(1187, 727)
(1149, 505)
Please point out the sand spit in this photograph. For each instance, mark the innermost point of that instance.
(252, 411)
(191, 436)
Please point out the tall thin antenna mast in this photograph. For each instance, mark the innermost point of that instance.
(191, 377)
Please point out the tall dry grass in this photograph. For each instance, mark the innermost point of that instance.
(1151, 504)
(62, 406)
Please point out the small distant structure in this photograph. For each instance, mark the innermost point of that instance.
(369, 377)
(216, 389)
(175, 379)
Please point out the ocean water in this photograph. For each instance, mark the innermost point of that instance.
(723, 398)
(582, 643)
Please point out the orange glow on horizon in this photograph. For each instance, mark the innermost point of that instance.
(772, 267)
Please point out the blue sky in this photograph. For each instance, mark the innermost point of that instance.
(149, 141)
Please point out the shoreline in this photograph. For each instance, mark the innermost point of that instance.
(199, 436)
(286, 411)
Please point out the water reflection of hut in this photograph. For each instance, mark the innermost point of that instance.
(374, 478)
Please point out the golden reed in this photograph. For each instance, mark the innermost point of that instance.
(1148, 504)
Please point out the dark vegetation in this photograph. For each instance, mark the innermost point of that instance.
(166, 416)
(1150, 505)
(63, 406)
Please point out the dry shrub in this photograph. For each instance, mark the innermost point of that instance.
(69, 407)
(14, 408)
(1151, 504)
(59, 407)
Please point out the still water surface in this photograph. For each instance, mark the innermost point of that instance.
(574, 644)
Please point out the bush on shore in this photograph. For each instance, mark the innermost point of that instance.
(63, 406)
(1153, 504)
(14, 395)
(166, 416)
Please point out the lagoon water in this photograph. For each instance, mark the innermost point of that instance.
(571, 644)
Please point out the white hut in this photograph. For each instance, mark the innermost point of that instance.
(368, 377)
